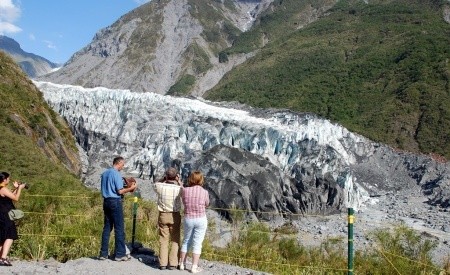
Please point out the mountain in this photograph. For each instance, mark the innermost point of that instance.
(33, 65)
(332, 58)
(163, 47)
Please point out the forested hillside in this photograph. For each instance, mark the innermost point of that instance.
(380, 69)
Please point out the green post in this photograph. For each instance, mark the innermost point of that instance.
(135, 205)
(350, 241)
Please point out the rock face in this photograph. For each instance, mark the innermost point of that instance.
(260, 160)
(33, 65)
(159, 44)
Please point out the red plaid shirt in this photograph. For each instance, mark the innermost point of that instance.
(195, 200)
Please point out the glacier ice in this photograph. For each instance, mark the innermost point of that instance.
(151, 130)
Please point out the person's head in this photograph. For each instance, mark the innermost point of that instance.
(171, 174)
(4, 179)
(118, 163)
(196, 178)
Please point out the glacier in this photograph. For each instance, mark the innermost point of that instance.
(262, 160)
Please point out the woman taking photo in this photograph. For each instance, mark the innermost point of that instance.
(195, 200)
(8, 230)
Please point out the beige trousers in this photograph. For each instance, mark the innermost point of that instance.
(169, 224)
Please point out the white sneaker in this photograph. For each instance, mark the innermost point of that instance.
(196, 269)
(181, 266)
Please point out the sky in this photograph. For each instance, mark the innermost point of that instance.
(56, 29)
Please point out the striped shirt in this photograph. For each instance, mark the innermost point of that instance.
(195, 200)
(168, 197)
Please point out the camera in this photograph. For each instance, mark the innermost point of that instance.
(128, 182)
(26, 185)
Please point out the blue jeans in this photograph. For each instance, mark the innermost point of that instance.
(112, 208)
(194, 233)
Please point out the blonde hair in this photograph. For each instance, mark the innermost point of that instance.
(196, 178)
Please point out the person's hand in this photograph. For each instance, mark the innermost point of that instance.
(22, 186)
(16, 184)
(133, 187)
(180, 183)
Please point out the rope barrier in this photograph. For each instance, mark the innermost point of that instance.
(265, 212)
(61, 236)
(231, 229)
(54, 196)
(383, 252)
(272, 263)
(398, 272)
(54, 214)
(212, 208)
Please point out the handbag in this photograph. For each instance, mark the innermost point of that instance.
(15, 214)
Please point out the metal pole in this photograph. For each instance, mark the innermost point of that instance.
(350, 240)
(136, 195)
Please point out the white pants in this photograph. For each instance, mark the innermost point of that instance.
(194, 234)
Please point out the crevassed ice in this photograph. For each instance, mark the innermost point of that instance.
(174, 125)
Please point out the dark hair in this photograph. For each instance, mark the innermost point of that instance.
(171, 173)
(5, 175)
(116, 160)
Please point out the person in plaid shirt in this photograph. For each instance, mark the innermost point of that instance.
(169, 218)
(195, 200)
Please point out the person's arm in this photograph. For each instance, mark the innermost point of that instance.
(179, 182)
(128, 189)
(16, 187)
(12, 195)
(207, 198)
(118, 181)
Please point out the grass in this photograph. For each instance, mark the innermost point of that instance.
(52, 233)
(63, 232)
(399, 251)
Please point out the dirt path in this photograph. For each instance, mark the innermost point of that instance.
(139, 264)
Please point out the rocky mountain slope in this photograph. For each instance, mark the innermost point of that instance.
(33, 65)
(161, 44)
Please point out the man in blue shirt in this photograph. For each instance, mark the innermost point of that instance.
(112, 187)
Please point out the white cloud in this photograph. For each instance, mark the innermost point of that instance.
(50, 44)
(9, 13)
(6, 27)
